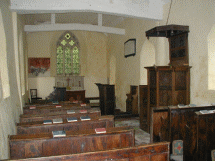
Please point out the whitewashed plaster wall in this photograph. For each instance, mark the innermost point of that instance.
(10, 106)
(200, 17)
(128, 69)
(93, 58)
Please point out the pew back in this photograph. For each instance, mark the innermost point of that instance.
(149, 152)
(38, 127)
(93, 113)
(44, 144)
(183, 126)
(47, 109)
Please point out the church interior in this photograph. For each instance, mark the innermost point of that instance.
(127, 70)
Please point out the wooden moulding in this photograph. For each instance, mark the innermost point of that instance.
(43, 144)
(149, 152)
(39, 127)
(167, 31)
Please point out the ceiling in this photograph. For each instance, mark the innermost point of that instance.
(74, 17)
(89, 15)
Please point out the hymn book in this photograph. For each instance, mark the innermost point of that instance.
(32, 107)
(47, 122)
(58, 106)
(60, 133)
(70, 111)
(100, 130)
(85, 118)
(59, 120)
(72, 119)
(83, 111)
(206, 111)
(55, 102)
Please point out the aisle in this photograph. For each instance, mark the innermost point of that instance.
(141, 137)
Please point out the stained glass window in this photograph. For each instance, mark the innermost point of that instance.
(68, 61)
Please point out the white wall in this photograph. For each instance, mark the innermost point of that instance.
(10, 107)
(128, 69)
(93, 58)
(199, 16)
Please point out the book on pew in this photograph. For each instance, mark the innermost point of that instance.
(83, 111)
(182, 105)
(72, 119)
(70, 111)
(100, 130)
(192, 105)
(58, 106)
(32, 107)
(55, 102)
(47, 122)
(57, 121)
(83, 118)
(83, 104)
(60, 133)
(75, 101)
(206, 111)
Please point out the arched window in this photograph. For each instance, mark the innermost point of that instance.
(68, 60)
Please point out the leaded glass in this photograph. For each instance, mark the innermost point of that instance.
(71, 42)
(68, 55)
(63, 42)
(67, 36)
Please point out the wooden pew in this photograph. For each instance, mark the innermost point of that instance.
(41, 145)
(159, 124)
(50, 108)
(149, 152)
(183, 126)
(179, 124)
(38, 127)
(205, 140)
(93, 113)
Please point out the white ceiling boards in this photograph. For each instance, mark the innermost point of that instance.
(96, 13)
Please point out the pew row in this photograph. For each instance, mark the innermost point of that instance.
(38, 127)
(178, 124)
(149, 152)
(93, 113)
(44, 144)
(46, 109)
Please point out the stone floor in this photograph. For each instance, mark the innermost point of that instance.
(141, 137)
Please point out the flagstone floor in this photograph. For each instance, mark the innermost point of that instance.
(141, 137)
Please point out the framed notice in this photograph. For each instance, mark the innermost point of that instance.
(130, 47)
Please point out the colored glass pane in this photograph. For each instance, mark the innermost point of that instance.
(59, 50)
(67, 56)
(67, 36)
(71, 42)
(63, 42)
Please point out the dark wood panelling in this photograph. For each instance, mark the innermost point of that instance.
(205, 136)
(150, 152)
(168, 85)
(43, 144)
(39, 127)
(93, 113)
(77, 95)
(49, 109)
